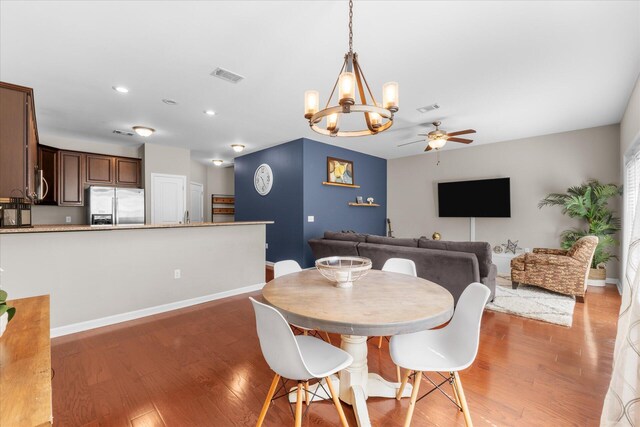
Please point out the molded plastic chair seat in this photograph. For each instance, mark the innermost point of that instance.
(322, 359)
(449, 349)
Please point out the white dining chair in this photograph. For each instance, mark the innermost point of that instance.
(449, 349)
(289, 266)
(296, 357)
(402, 266)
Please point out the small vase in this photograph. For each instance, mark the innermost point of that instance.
(4, 319)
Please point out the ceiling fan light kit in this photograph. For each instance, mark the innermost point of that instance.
(351, 84)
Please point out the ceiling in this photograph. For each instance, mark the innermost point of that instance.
(507, 69)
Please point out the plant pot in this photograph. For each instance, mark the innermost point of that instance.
(4, 319)
(597, 277)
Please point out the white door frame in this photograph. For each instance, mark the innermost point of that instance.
(197, 184)
(166, 175)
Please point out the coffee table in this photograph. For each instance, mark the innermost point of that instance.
(379, 304)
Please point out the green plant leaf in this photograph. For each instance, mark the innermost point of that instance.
(3, 296)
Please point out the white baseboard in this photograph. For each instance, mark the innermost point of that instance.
(131, 315)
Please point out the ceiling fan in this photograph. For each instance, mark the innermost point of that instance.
(438, 138)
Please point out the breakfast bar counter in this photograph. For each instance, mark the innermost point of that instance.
(56, 228)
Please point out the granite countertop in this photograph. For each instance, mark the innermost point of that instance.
(57, 228)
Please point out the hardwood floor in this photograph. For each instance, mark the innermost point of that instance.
(202, 366)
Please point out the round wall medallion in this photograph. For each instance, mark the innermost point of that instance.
(263, 179)
(498, 249)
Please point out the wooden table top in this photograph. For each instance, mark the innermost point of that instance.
(25, 365)
(381, 303)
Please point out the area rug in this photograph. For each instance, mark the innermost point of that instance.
(533, 303)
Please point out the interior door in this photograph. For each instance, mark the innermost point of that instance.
(168, 198)
(197, 202)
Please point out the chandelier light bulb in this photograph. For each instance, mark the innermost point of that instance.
(390, 96)
(375, 119)
(332, 123)
(237, 147)
(347, 88)
(311, 103)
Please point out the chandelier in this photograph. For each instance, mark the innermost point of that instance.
(378, 118)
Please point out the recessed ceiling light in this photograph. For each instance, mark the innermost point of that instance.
(210, 112)
(237, 147)
(143, 131)
(170, 101)
(217, 162)
(120, 89)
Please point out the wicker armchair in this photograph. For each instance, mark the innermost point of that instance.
(558, 270)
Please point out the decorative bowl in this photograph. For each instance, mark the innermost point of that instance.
(343, 270)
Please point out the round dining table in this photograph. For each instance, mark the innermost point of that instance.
(379, 304)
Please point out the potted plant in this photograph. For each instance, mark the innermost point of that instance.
(6, 312)
(589, 202)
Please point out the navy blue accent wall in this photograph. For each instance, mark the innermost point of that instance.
(299, 168)
(329, 204)
(283, 204)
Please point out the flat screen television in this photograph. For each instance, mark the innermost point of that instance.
(488, 198)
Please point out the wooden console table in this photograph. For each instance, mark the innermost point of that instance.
(25, 365)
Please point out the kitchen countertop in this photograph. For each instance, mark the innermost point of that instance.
(55, 228)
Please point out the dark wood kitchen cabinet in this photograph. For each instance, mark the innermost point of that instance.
(48, 164)
(128, 172)
(70, 178)
(99, 169)
(18, 141)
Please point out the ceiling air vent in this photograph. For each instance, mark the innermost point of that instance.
(428, 108)
(227, 75)
(123, 132)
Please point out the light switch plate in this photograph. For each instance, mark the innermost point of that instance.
(67, 220)
(311, 218)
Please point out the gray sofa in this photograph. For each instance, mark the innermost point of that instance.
(453, 265)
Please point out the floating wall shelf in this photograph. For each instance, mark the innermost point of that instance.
(373, 205)
(337, 184)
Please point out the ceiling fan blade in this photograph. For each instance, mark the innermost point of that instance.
(423, 134)
(463, 140)
(428, 148)
(409, 143)
(462, 132)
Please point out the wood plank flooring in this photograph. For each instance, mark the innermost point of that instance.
(202, 366)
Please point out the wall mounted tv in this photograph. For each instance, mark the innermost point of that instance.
(488, 198)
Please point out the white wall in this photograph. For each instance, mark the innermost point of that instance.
(95, 274)
(630, 123)
(220, 180)
(537, 166)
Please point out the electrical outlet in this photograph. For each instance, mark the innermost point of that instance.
(176, 274)
(67, 220)
(311, 218)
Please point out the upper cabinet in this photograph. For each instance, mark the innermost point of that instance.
(18, 142)
(99, 169)
(128, 172)
(48, 164)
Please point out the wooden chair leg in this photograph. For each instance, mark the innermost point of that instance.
(267, 401)
(414, 396)
(455, 392)
(298, 418)
(326, 335)
(336, 402)
(380, 342)
(398, 374)
(403, 384)
(306, 392)
(463, 400)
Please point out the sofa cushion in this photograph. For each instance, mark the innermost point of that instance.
(322, 248)
(349, 237)
(393, 241)
(482, 250)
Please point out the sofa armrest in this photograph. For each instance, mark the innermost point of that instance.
(549, 251)
(546, 259)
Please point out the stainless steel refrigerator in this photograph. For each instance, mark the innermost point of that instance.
(115, 205)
